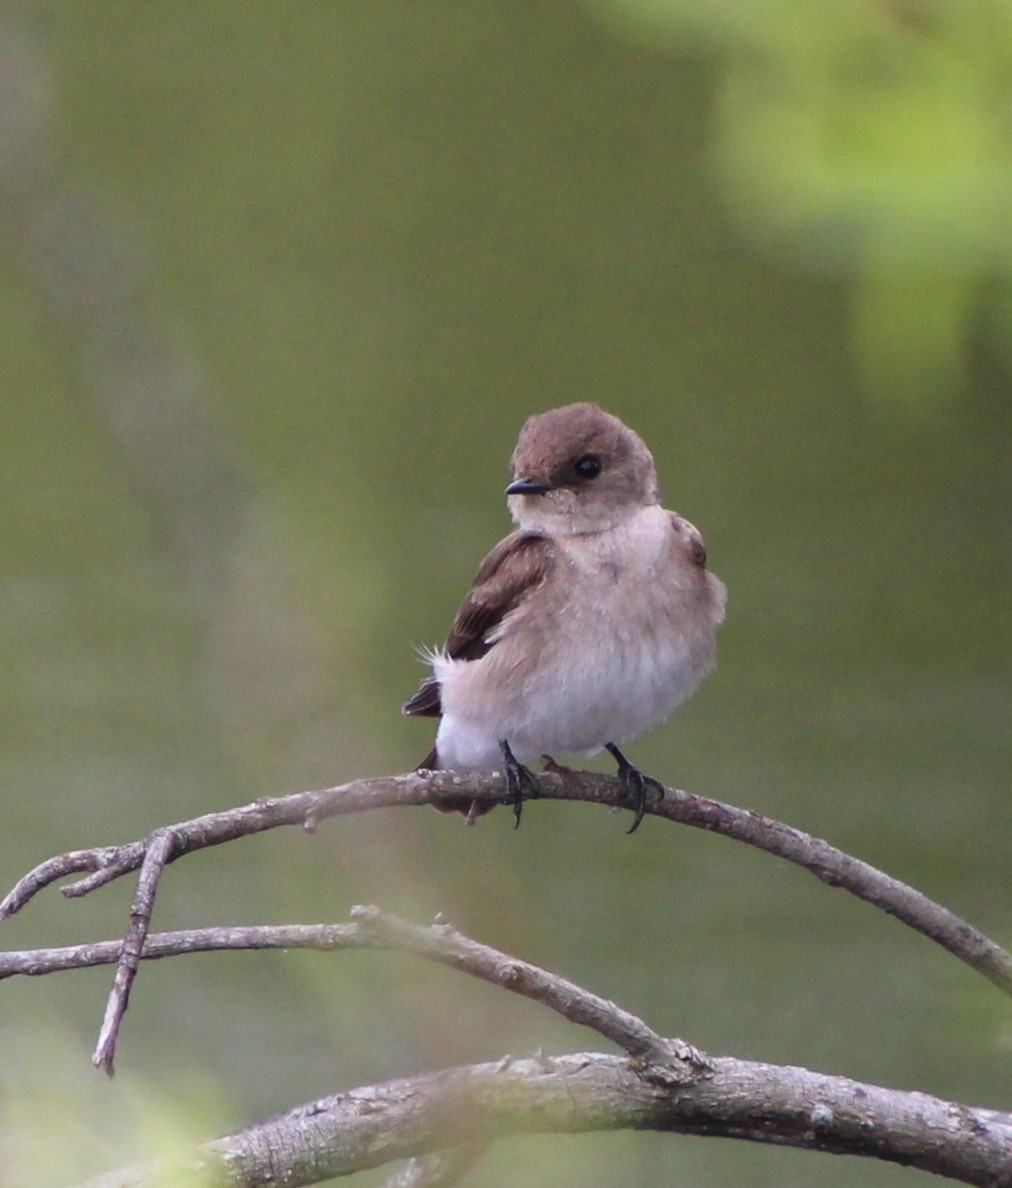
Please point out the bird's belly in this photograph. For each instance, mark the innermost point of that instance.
(616, 688)
(593, 684)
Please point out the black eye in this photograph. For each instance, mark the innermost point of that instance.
(589, 466)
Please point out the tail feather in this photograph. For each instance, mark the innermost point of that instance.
(430, 762)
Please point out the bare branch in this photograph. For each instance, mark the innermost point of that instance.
(157, 854)
(214, 829)
(829, 864)
(442, 1120)
(325, 937)
(588, 1091)
(668, 1061)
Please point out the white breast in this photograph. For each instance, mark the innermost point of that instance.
(618, 636)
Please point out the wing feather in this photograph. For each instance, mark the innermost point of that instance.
(692, 539)
(515, 567)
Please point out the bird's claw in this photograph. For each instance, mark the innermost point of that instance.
(520, 781)
(637, 785)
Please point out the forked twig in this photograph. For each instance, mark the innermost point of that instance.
(832, 866)
(663, 1060)
(35, 963)
(442, 1120)
(157, 854)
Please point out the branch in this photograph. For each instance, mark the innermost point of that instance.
(325, 937)
(157, 854)
(589, 1091)
(666, 1061)
(442, 1120)
(832, 866)
(662, 1060)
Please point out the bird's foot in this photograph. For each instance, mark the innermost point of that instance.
(520, 781)
(637, 785)
(556, 768)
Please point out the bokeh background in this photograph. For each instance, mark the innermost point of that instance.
(278, 286)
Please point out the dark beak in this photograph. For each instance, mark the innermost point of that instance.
(522, 486)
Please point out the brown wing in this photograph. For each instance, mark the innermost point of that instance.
(694, 546)
(515, 567)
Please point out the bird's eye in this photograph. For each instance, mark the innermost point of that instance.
(589, 466)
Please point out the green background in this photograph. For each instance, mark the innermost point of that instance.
(279, 283)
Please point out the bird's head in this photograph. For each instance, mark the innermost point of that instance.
(578, 469)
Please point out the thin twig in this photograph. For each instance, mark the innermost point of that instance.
(158, 853)
(324, 937)
(667, 1061)
(832, 866)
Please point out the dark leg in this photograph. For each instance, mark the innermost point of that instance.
(519, 781)
(636, 784)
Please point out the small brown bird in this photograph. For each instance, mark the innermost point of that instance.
(583, 628)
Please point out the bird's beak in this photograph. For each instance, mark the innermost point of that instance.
(524, 486)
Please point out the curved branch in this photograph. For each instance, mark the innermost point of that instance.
(442, 1120)
(589, 1091)
(832, 866)
(666, 1061)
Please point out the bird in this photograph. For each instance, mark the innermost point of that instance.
(588, 624)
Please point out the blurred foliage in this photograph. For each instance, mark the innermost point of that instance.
(870, 138)
(54, 1127)
(280, 284)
